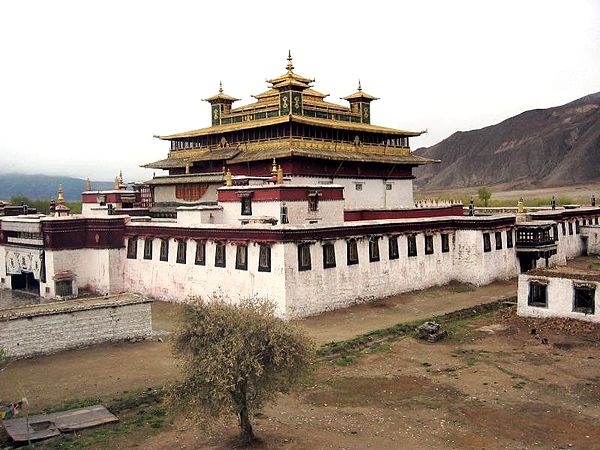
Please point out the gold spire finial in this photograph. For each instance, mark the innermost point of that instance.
(120, 177)
(289, 66)
(88, 184)
(60, 198)
(187, 166)
(220, 87)
(274, 168)
(359, 86)
(279, 175)
(228, 178)
(116, 184)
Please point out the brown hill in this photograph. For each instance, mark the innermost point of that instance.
(557, 146)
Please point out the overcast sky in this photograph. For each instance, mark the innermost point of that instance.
(84, 85)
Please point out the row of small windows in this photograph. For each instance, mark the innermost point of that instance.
(583, 297)
(487, 240)
(241, 255)
(569, 225)
(329, 256)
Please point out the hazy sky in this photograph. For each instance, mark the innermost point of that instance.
(84, 85)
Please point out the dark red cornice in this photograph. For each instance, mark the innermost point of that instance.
(85, 232)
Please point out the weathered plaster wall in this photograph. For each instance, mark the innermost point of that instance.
(329, 211)
(51, 331)
(167, 194)
(593, 239)
(560, 292)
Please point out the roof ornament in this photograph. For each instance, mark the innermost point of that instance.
(274, 168)
(359, 86)
(88, 184)
(220, 87)
(60, 198)
(289, 66)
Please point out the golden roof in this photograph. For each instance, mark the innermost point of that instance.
(359, 94)
(328, 123)
(221, 96)
(290, 76)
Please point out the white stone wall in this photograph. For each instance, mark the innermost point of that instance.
(171, 281)
(319, 289)
(47, 333)
(568, 247)
(373, 193)
(329, 211)
(3, 276)
(167, 194)
(560, 292)
(195, 215)
(593, 239)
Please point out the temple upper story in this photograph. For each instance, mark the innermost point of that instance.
(289, 119)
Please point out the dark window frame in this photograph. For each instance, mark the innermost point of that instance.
(445, 237)
(577, 227)
(570, 228)
(487, 243)
(200, 255)
(328, 255)
(393, 249)
(63, 288)
(537, 294)
(374, 254)
(246, 206)
(583, 295)
(428, 244)
(564, 228)
(132, 247)
(164, 249)
(148, 248)
(304, 257)
(498, 239)
(351, 247)
(411, 244)
(509, 239)
(241, 257)
(220, 254)
(264, 258)
(181, 257)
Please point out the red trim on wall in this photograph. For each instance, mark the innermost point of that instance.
(370, 214)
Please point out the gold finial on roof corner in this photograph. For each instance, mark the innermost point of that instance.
(274, 168)
(187, 166)
(60, 198)
(289, 66)
(279, 174)
(228, 178)
(116, 184)
(220, 87)
(88, 184)
(359, 86)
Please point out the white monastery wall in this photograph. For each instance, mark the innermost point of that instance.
(560, 294)
(164, 194)
(593, 239)
(372, 193)
(195, 215)
(176, 282)
(329, 211)
(66, 328)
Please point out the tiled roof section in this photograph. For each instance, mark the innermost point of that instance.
(353, 126)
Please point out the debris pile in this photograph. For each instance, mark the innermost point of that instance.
(431, 331)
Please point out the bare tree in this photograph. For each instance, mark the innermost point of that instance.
(235, 358)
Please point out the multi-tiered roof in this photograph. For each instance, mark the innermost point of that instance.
(290, 119)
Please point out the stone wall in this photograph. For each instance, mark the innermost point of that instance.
(52, 327)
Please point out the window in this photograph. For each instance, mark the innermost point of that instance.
(220, 255)
(264, 259)
(148, 243)
(358, 186)
(131, 248)
(393, 248)
(577, 227)
(487, 244)
(509, 239)
(283, 214)
(596, 221)
(428, 245)
(373, 249)
(538, 295)
(304, 262)
(498, 236)
(388, 186)
(246, 206)
(200, 259)
(241, 257)
(313, 201)
(63, 288)
(571, 228)
(564, 228)
(445, 243)
(352, 251)
(164, 249)
(584, 299)
(555, 231)
(181, 251)
(328, 256)
(412, 245)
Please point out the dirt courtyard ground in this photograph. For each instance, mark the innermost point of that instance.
(492, 384)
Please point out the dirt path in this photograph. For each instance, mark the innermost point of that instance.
(107, 370)
(346, 323)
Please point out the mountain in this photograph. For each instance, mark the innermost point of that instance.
(558, 146)
(44, 186)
